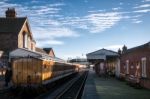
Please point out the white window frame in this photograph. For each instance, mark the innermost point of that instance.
(127, 66)
(26, 40)
(143, 65)
(29, 43)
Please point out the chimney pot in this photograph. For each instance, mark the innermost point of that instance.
(10, 13)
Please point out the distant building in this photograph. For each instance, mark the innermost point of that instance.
(48, 51)
(135, 63)
(82, 61)
(14, 33)
(105, 60)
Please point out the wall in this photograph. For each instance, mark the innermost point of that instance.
(29, 40)
(134, 57)
(8, 41)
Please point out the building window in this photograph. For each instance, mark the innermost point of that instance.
(143, 67)
(127, 66)
(25, 40)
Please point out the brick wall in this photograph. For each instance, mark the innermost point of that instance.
(134, 57)
(8, 41)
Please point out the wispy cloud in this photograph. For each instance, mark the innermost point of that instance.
(111, 47)
(94, 22)
(45, 29)
(137, 21)
(116, 9)
(47, 19)
(142, 11)
(67, 56)
(48, 36)
(146, 1)
(143, 6)
(102, 21)
(49, 43)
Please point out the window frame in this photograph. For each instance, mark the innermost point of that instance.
(143, 66)
(127, 66)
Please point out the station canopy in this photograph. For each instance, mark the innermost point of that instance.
(101, 54)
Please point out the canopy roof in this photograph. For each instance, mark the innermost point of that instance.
(101, 54)
(22, 52)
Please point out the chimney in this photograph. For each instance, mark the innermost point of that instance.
(124, 49)
(10, 13)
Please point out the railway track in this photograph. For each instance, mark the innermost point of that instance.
(71, 90)
(75, 91)
(31, 93)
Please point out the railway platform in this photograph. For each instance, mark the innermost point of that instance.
(90, 87)
(111, 88)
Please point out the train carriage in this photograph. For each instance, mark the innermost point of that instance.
(34, 68)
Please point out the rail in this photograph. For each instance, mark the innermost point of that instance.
(72, 89)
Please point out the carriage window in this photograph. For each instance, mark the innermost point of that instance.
(143, 67)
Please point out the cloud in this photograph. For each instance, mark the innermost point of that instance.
(56, 4)
(120, 3)
(47, 19)
(146, 1)
(142, 11)
(96, 11)
(102, 21)
(49, 42)
(111, 47)
(56, 32)
(46, 30)
(116, 9)
(94, 22)
(74, 55)
(136, 21)
(143, 6)
(48, 36)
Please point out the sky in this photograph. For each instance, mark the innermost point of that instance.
(74, 28)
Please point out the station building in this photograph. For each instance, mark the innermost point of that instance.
(15, 32)
(105, 61)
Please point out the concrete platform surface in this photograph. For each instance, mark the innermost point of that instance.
(90, 87)
(111, 88)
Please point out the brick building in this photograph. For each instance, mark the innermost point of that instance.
(135, 64)
(14, 33)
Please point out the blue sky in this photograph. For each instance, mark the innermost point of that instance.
(76, 27)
